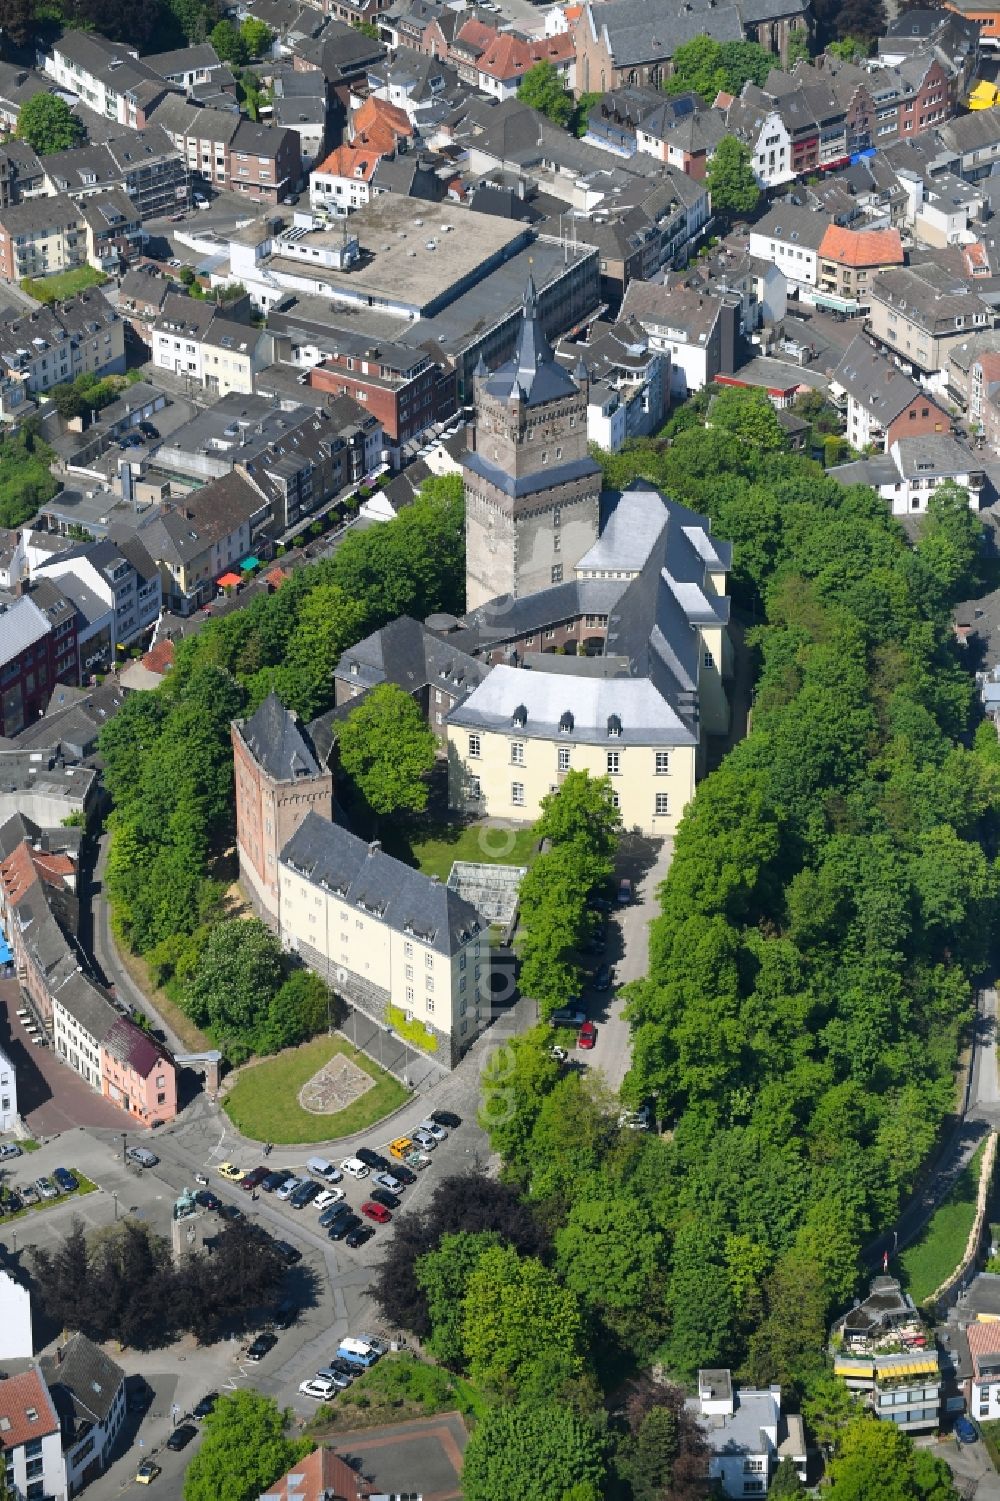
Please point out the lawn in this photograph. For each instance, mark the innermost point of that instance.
(435, 848)
(399, 1388)
(927, 1263)
(991, 1438)
(264, 1102)
(63, 284)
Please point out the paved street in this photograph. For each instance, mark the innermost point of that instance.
(50, 1096)
(628, 954)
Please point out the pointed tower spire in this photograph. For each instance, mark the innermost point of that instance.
(533, 348)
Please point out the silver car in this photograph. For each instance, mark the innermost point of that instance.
(288, 1187)
(424, 1139)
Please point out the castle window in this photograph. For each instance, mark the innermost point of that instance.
(566, 723)
(563, 758)
(517, 753)
(517, 794)
(614, 727)
(474, 746)
(614, 763)
(557, 516)
(520, 717)
(662, 763)
(662, 804)
(557, 573)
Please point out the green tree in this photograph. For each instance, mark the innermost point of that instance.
(798, 46)
(653, 1454)
(786, 1483)
(257, 37)
(536, 1452)
(875, 1461)
(516, 1078)
(582, 811)
(444, 1274)
(580, 123)
(228, 43)
(517, 1317)
(240, 973)
(732, 187)
(244, 1450)
(542, 88)
(750, 417)
(299, 1008)
(48, 124)
(612, 1257)
(949, 543)
(707, 67)
(852, 49)
(388, 751)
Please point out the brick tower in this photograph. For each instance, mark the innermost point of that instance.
(532, 491)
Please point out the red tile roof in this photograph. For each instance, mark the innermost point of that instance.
(159, 658)
(357, 161)
(984, 1339)
(321, 1473)
(862, 247)
(379, 112)
(18, 874)
(26, 1409)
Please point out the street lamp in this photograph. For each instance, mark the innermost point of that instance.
(123, 1146)
(114, 1195)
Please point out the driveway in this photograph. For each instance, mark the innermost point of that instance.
(51, 1096)
(646, 865)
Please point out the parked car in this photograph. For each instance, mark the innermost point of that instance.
(12, 1201)
(286, 1313)
(358, 1236)
(568, 1016)
(405, 1175)
(147, 1472)
(338, 1364)
(331, 1216)
(374, 1160)
(229, 1212)
(385, 1198)
(261, 1345)
(587, 1036)
(46, 1188)
(275, 1178)
(400, 1147)
(432, 1128)
(343, 1227)
(624, 891)
(9, 1149)
(289, 1255)
(207, 1199)
(602, 977)
(322, 1391)
(29, 1194)
(373, 1210)
(304, 1194)
(205, 1406)
(288, 1188)
(598, 940)
(131, 440)
(424, 1139)
(446, 1118)
(148, 430)
(253, 1180)
(182, 1436)
(137, 1395)
(389, 1181)
(176, 219)
(354, 1168)
(230, 1172)
(418, 1160)
(558, 1055)
(143, 1156)
(340, 1381)
(65, 1180)
(965, 1432)
(328, 1197)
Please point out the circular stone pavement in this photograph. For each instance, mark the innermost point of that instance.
(335, 1086)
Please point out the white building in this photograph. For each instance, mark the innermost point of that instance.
(15, 1319)
(908, 475)
(748, 1434)
(790, 238)
(8, 1094)
(129, 586)
(31, 1438)
(88, 1391)
(401, 946)
(197, 340)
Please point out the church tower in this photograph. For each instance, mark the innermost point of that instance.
(532, 491)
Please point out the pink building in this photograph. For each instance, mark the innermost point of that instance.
(137, 1074)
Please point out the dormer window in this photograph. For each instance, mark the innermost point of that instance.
(520, 717)
(566, 724)
(614, 727)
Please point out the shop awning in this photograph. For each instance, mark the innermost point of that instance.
(229, 581)
(249, 564)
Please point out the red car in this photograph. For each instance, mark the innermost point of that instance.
(253, 1180)
(376, 1212)
(587, 1035)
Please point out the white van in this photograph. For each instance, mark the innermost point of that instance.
(320, 1168)
(354, 1168)
(358, 1352)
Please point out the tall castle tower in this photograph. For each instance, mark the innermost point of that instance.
(532, 492)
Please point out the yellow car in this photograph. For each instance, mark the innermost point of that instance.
(147, 1472)
(400, 1147)
(230, 1172)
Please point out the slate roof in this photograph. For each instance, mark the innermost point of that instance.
(277, 742)
(406, 653)
(365, 876)
(933, 454)
(874, 382)
(184, 532)
(640, 31)
(89, 1377)
(631, 522)
(21, 625)
(533, 373)
(134, 1047)
(792, 225)
(196, 58)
